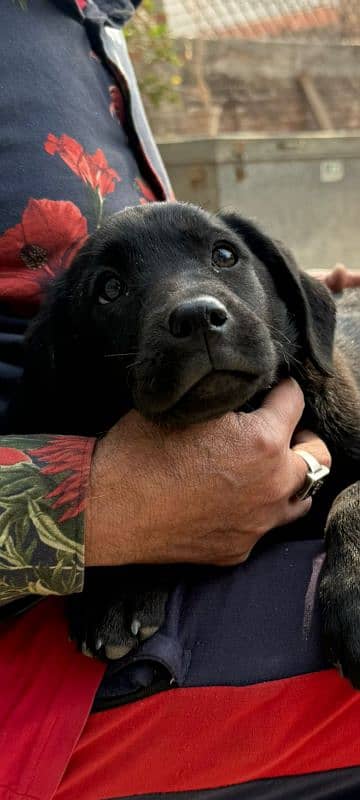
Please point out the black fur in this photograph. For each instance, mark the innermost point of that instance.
(88, 363)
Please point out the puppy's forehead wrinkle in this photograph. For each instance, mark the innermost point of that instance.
(156, 225)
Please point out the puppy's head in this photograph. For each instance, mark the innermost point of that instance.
(182, 314)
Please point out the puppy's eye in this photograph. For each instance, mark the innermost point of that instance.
(224, 255)
(110, 289)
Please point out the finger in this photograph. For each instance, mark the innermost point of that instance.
(233, 561)
(337, 279)
(353, 279)
(289, 511)
(297, 509)
(282, 408)
(321, 274)
(333, 278)
(313, 445)
(298, 468)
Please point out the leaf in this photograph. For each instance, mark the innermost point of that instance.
(26, 472)
(151, 47)
(18, 559)
(18, 488)
(37, 587)
(6, 520)
(49, 532)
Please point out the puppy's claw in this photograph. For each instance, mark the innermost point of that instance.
(135, 626)
(99, 643)
(147, 631)
(113, 652)
(85, 650)
(338, 667)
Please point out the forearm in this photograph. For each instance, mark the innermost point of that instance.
(43, 482)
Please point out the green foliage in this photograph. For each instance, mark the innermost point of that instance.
(37, 555)
(151, 48)
(21, 3)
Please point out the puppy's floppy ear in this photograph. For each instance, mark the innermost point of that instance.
(306, 298)
(38, 400)
(51, 339)
(35, 390)
(42, 335)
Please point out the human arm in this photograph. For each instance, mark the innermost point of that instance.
(206, 495)
(339, 278)
(43, 481)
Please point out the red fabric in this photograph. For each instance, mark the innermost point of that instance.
(47, 689)
(209, 737)
(50, 748)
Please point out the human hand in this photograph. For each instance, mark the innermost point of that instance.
(339, 278)
(205, 494)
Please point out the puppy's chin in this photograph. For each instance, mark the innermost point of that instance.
(212, 396)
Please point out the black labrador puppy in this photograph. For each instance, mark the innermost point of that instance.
(186, 315)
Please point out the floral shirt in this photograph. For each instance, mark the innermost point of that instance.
(75, 147)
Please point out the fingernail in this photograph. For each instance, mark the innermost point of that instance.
(294, 382)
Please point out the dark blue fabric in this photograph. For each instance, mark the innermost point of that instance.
(239, 626)
(342, 784)
(12, 331)
(67, 69)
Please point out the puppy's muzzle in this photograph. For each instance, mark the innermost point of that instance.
(206, 314)
(201, 356)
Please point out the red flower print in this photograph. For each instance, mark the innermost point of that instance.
(66, 455)
(102, 176)
(10, 456)
(147, 193)
(38, 248)
(92, 169)
(116, 107)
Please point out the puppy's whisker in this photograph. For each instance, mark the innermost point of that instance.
(131, 366)
(118, 355)
(279, 333)
(290, 360)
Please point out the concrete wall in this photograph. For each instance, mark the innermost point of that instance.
(303, 189)
(237, 86)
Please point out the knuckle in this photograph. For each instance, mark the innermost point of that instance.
(326, 457)
(269, 442)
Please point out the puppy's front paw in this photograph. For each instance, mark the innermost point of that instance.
(100, 630)
(340, 607)
(148, 613)
(111, 631)
(340, 585)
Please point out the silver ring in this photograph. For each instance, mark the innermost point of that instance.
(314, 477)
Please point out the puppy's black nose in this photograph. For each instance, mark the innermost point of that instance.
(204, 313)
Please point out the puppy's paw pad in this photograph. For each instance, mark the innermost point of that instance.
(143, 632)
(114, 652)
(147, 631)
(340, 607)
(148, 613)
(86, 650)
